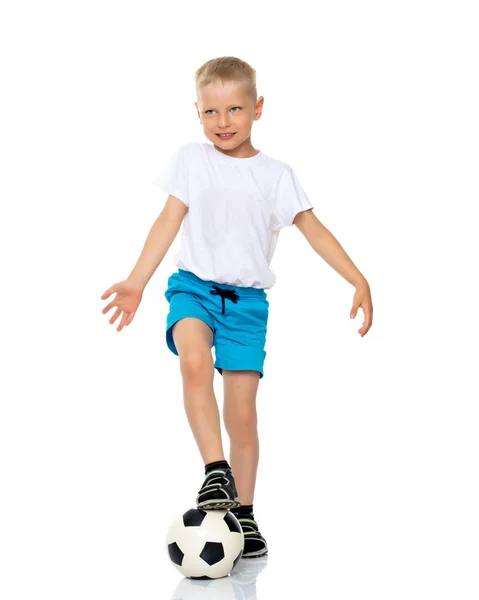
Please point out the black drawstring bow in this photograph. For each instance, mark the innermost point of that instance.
(230, 294)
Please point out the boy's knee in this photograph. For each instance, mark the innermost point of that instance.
(242, 426)
(196, 364)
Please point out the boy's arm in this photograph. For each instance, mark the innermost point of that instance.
(159, 240)
(328, 247)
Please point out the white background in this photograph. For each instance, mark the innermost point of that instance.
(367, 485)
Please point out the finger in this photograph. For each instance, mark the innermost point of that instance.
(366, 327)
(107, 308)
(108, 292)
(115, 316)
(130, 318)
(122, 322)
(360, 331)
(368, 312)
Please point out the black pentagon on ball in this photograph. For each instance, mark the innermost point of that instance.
(194, 517)
(232, 522)
(202, 577)
(212, 552)
(175, 553)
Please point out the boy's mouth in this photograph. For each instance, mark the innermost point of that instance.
(228, 136)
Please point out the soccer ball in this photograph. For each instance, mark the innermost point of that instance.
(205, 544)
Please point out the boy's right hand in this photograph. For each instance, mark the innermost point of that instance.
(128, 297)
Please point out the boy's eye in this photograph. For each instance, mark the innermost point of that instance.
(210, 110)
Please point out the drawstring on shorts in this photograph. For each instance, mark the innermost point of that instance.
(229, 294)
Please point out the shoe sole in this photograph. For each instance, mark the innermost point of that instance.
(219, 505)
(255, 555)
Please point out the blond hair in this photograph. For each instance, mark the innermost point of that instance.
(227, 68)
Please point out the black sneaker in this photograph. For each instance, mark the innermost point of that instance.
(254, 543)
(218, 490)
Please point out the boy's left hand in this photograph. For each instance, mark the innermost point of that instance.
(362, 298)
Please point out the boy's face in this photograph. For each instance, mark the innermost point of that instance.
(225, 107)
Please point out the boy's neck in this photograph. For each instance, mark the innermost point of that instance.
(243, 150)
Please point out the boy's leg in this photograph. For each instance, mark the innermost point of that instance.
(240, 419)
(193, 339)
(241, 423)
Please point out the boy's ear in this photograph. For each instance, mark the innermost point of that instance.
(259, 106)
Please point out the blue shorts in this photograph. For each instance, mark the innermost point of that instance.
(237, 316)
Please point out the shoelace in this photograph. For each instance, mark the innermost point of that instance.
(214, 479)
(229, 294)
(252, 524)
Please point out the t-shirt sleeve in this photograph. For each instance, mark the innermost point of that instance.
(290, 199)
(173, 177)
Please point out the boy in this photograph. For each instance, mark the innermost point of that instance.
(234, 200)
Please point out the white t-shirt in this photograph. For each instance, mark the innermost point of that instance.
(236, 209)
